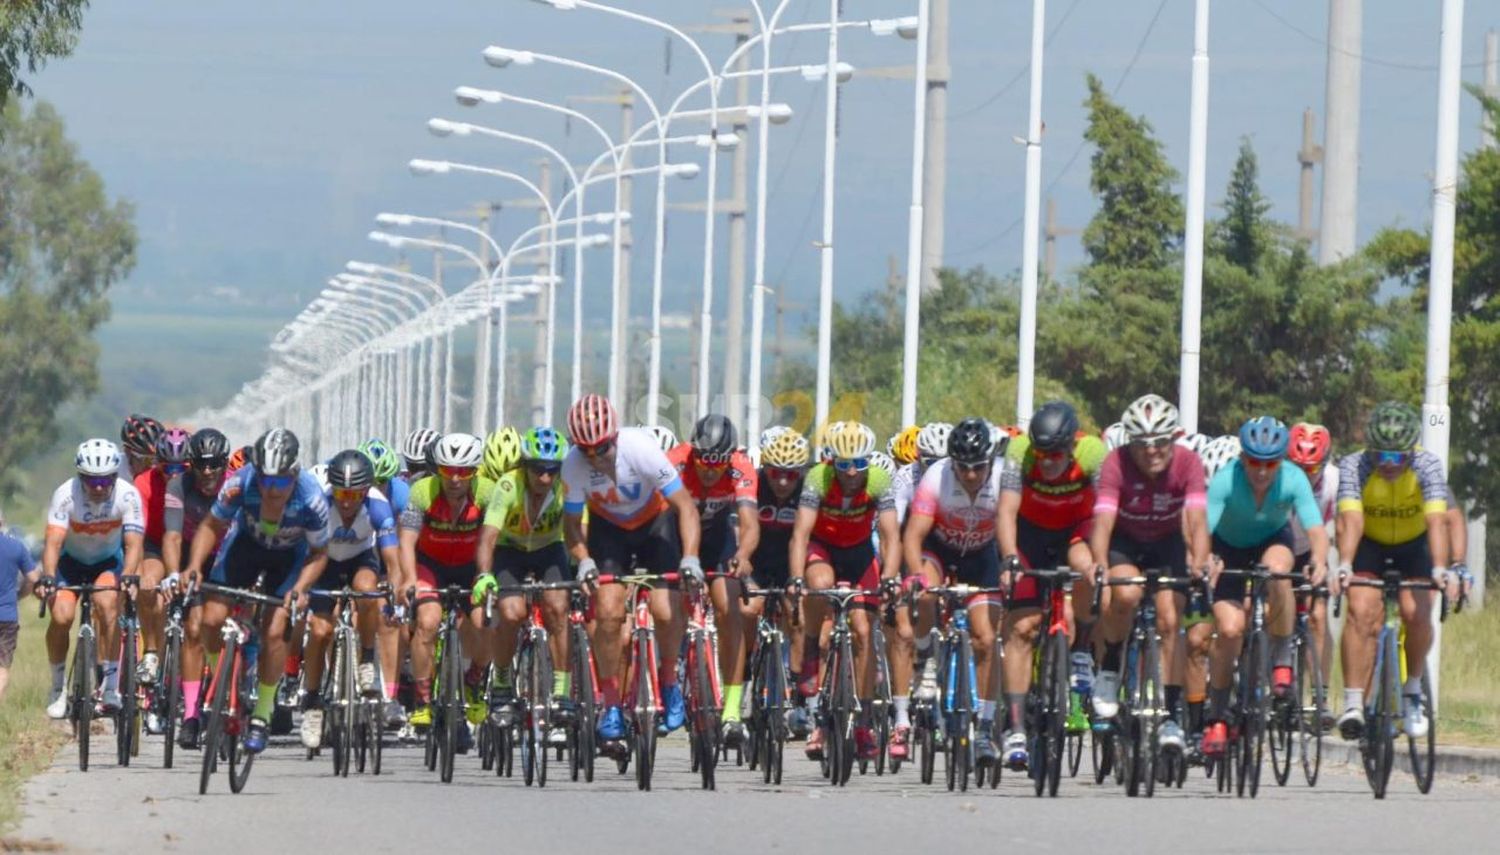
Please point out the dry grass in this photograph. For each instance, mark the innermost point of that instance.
(27, 738)
(1469, 712)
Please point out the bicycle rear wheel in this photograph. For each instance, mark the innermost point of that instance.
(1313, 700)
(167, 696)
(451, 707)
(127, 717)
(84, 663)
(1423, 751)
(1055, 679)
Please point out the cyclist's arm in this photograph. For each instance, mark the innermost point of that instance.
(1106, 507)
(1437, 538)
(1458, 535)
(52, 550)
(484, 557)
(204, 539)
(1104, 527)
(390, 557)
(1199, 544)
(574, 537)
(801, 534)
(172, 523)
(1007, 527)
(312, 570)
(135, 548)
(918, 526)
(1351, 529)
(408, 546)
(689, 526)
(890, 544)
(171, 551)
(749, 533)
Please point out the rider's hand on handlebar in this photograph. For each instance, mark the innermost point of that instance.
(587, 571)
(484, 586)
(740, 568)
(1010, 566)
(692, 568)
(44, 587)
(1338, 580)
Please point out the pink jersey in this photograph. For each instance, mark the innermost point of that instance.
(1150, 509)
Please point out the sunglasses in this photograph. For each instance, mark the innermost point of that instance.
(544, 468)
(1253, 463)
(928, 460)
(1155, 443)
(98, 482)
(1051, 456)
(972, 467)
(208, 465)
(276, 482)
(781, 474)
(170, 469)
(712, 460)
(350, 494)
(598, 449)
(858, 464)
(1392, 458)
(457, 473)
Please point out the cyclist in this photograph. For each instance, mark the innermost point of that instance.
(662, 435)
(722, 482)
(1393, 504)
(1150, 515)
(138, 437)
(502, 451)
(522, 538)
(279, 528)
(952, 525)
(1309, 448)
(170, 460)
(902, 447)
(1046, 514)
(361, 525)
(414, 453)
(386, 464)
(439, 535)
(1249, 504)
(190, 498)
(783, 466)
(95, 529)
(843, 504)
(639, 517)
(392, 638)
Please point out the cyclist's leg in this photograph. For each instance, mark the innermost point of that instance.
(510, 567)
(1363, 617)
(107, 621)
(1415, 562)
(424, 632)
(553, 562)
(64, 608)
(724, 595)
(1194, 653)
(1081, 561)
(1170, 605)
(148, 604)
(366, 612)
(192, 661)
(607, 546)
(273, 624)
(660, 551)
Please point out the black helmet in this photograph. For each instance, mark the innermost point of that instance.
(139, 434)
(713, 436)
(1054, 427)
(971, 442)
(208, 447)
(350, 470)
(275, 453)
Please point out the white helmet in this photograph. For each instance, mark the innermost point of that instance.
(97, 457)
(414, 449)
(770, 434)
(932, 440)
(881, 460)
(1196, 441)
(1150, 416)
(662, 435)
(459, 449)
(1114, 437)
(1219, 453)
(320, 472)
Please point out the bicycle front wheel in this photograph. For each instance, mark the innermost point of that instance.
(1378, 744)
(704, 711)
(1423, 750)
(1055, 664)
(213, 724)
(451, 707)
(1313, 700)
(240, 760)
(1254, 692)
(168, 696)
(582, 685)
(127, 718)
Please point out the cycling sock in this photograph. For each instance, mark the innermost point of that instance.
(1083, 636)
(313, 701)
(987, 710)
(391, 689)
(1218, 702)
(1281, 651)
(474, 675)
(424, 692)
(1015, 703)
(111, 675)
(1174, 703)
(610, 688)
(190, 692)
(59, 675)
(562, 681)
(367, 656)
(902, 706)
(1412, 687)
(265, 702)
(502, 679)
(667, 673)
(293, 664)
(1111, 661)
(1354, 699)
(733, 694)
(1195, 716)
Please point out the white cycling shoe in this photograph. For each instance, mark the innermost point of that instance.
(312, 729)
(1106, 694)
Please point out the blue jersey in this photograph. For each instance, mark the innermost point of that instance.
(373, 527)
(1234, 518)
(304, 520)
(396, 491)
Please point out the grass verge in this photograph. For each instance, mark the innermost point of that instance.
(1469, 712)
(27, 738)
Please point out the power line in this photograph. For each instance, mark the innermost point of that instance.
(1388, 63)
(1019, 74)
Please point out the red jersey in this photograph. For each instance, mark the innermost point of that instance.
(152, 485)
(737, 486)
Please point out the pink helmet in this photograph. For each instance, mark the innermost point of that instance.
(172, 447)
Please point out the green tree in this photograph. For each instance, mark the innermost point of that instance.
(31, 32)
(1139, 222)
(63, 243)
(1243, 236)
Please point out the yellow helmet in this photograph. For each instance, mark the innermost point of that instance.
(903, 446)
(850, 441)
(820, 443)
(502, 451)
(789, 450)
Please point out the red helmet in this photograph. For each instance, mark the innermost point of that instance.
(1309, 446)
(592, 420)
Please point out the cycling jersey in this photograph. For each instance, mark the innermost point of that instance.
(631, 496)
(446, 535)
(520, 527)
(95, 531)
(396, 491)
(1150, 509)
(152, 485)
(304, 518)
(777, 517)
(1395, 511)
(904, 488)
(1236, 519)
(737, 486)
(959, 523)
(1326, 488)
(1062, 503)
(185, 506)
(845, 520)
(373, 527)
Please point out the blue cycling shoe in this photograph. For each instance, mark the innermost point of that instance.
(671, 698)
(611, 725)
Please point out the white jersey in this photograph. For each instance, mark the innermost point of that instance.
(1327, 493)
(904, 487)
(374, 527)
(630, 496)
(959, 522)
(95, 531)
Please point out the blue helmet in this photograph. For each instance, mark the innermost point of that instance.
(543, 443)
(1264, 438)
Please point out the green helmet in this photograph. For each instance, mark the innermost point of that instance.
(502, 451)
(1393, 426)
(545, 444)
(386, 462)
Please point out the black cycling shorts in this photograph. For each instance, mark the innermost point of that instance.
(654, 548)
(1244, 558)
(513, 566)
(243, 560)
(1169, 553)
(339, 574)
(1412, 558)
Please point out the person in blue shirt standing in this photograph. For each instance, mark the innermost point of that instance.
(16, 563)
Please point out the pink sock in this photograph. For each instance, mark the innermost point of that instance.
(190, 692)
(390, 690)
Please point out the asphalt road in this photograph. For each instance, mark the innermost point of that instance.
(291, 802)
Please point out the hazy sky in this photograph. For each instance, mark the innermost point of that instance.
(258, 140)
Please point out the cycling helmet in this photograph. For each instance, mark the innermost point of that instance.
(502, 451)
(1309, 445)
(903, 446)
(591, 420)
(319, 471)
(850, 440)
(208, 447)
(973, 441)
(770, 434)
(382, 459)
(1196, 441)
(1150, 416)
(414, 449)
(543, 443)
(1219, 453)
(139, 435)
(1054, 427)
(172, 447)
(1393, 426)
(932, 439)
(662, 435)
(714, 436)
(458, 449)
(790, 450)
(97, 457)
(1264, 438)
(238, 458)
(825, 451)
(881, 460)
(351, 469)
(275, 453)
(1114, 437)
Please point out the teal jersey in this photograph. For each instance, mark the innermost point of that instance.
(1234, 518)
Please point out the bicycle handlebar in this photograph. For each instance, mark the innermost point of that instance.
(1403, 585)
(83, 589)
(1157, 576)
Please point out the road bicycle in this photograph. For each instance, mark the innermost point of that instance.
(643, 688)
(770, 684)
(83, 679)
(353, 720)
(1297, 716)
(1047, 701)
(839, 705)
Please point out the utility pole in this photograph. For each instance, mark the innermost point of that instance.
(540, 356)
(1491, 86)
(1337, 234)
(1308, 156)
(935, 172)
(619, 383)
